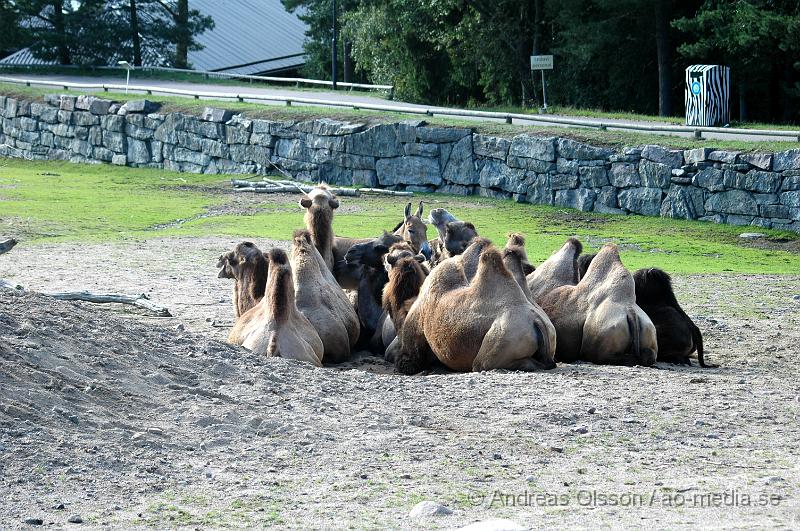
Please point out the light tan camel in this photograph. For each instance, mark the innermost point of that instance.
(598, 320)
(560, 269)
(247, 265)
(319, 297)
(275, 327)
(485, 324)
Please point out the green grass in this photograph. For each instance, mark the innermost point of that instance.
(47, 201)
(617, 139)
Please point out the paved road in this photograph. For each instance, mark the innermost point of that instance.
(364, 99)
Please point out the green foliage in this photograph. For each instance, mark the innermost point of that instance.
(46, 201)
(12, 36)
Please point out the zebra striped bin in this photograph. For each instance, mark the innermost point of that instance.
(707, 95)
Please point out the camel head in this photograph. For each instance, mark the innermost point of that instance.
(321, 197)
(439, 218)
(224, 263)
(244, 257)
(400, 251)
(414, 231)
(302, 242)
(458, 236)
(371, 253)
(516, 246)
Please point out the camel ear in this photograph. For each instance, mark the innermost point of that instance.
(333, 203)
(305, 202)
(407, 211)
(418, 213)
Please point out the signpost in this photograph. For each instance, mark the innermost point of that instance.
(542, 62)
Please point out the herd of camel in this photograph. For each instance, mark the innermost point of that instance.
(456, 301)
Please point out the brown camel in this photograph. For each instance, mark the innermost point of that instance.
(485, 324)
(406, 276)
(597, 320)
(248, 266)
(678, 337)
(275, 327)
(322, 301)
(559, 270)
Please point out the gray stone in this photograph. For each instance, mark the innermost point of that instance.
(237, 135)
(267, 140)
(28, 124)
(646, 201)
(422, 150)
(82, 147)
(139, 133)
(786, 160)
(96, 136)
(735, 219)
(567, 166)
(417, 189)
(494, 194)
(113, 123)
(735, 167)
(655, 174)
(356, 162)
(294, 149)
(440, 135)
(710, 179)
(601, 208)
(65, 117)
(767, 199)
(49, 115)
(180, 154)
(456, 189)
(533, 147)
(715, 218)
(460, 167)
(606, 195)
(408, 170)
(696, 155)
(683, 202)
(365, 178)
(774, 211)
(327, 127)
(75, 519)
(791, 183)
(495, 174)
(572, 149)
(732, 202)
(580, 199)
(761, 161)
(212, 114)
(728, 157)
(119, 160)
(67, 103)
(535, 165)
(761, 222)
(407, 131)
(678, 172)
(85, 118)
(53, 100)
(138, 151)
(791, 199)
(624, 175)
(490, 146)
(141, 106)
(669, 157)
(539, 191)
(562, 181)
(593, 176)
(377, 141)
(337, 175)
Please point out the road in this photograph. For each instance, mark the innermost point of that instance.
(361, 98)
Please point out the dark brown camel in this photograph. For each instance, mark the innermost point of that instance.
(248, 266)
(406, 276)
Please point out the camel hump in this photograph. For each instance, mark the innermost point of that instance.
(278, 257)
(492, 261)
(576, 246)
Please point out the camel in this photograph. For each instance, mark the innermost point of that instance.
(319, 298)
(516, 261)
(597, 319)
(481, 325)
(275, 327)
(406, 275)
(454, 235)
(559, 270)
(368, 256)
(677, 335)
(247, 265)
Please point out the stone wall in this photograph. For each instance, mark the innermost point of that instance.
(706, 184)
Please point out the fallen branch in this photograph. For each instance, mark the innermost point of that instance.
(7, 245)
(278, 187)
(142, 301)
(384, 192)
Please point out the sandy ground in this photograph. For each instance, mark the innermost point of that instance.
(128, 420)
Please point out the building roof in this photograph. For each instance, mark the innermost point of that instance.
(249, 37)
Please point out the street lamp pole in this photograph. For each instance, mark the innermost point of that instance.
(333, 48)
(127, 66)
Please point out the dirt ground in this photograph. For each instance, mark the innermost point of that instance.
(129, 420)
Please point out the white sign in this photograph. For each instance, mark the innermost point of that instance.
(541, 62)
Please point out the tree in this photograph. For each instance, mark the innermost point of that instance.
(12, 35)
(173, 22)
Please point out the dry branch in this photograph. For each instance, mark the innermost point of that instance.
(7, 245)
(268, 186)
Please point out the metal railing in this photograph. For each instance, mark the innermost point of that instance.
(433, 111)
(227, 75)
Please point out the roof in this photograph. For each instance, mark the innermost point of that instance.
(249, 37)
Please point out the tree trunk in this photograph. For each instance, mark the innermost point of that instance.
(349, 67)
(743, 101)
(135, 38)
(538, 21)
(523, 52)
(182, 34)
(663, 10)
(60, 30)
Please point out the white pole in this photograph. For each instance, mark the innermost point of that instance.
(127, 79)
(544, 92)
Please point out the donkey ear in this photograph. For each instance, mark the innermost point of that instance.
(418, 213)
(407, 211)
(333, 203)
(305, 202)
(470, 226)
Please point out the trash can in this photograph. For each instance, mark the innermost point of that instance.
(708, 95)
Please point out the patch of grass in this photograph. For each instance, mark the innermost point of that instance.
(102, 202)
(616, 139)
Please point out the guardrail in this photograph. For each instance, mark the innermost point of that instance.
(440, 111)
(228, 75)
